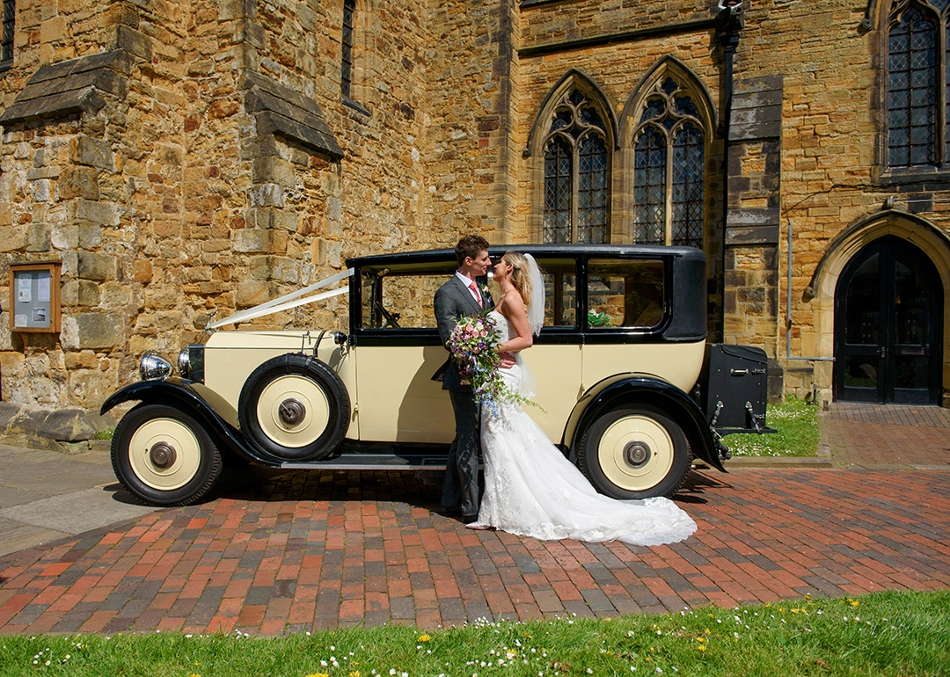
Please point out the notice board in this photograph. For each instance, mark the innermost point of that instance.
(34, 297)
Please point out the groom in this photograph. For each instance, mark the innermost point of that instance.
(462, 296)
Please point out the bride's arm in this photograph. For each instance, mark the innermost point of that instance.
(513, 309)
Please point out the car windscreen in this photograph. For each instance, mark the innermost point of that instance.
(400, 297)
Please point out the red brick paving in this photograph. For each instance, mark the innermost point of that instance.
(307, 550)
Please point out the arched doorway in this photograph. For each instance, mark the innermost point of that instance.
(888, 326)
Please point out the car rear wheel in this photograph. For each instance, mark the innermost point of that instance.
(295, 408)
(635, 452)
(163, 456)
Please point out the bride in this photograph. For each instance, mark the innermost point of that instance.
(531, 489)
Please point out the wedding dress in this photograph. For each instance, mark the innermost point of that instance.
(531, 489)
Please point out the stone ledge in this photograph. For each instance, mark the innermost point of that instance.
(69, 87)
(70, 430)
(283, 112)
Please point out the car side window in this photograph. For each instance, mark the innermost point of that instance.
(400, 299)
(625, 293)
(560, 292)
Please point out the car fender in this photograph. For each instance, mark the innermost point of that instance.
(184, 395)
(626, 389)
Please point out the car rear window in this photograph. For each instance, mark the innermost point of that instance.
(627, 293)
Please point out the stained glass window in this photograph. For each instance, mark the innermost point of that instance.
(669, 169)
(6, 46)
(346, 48)
(918, 102)
(911, 93)
(576, 173)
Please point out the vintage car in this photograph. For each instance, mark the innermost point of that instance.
(617, 363)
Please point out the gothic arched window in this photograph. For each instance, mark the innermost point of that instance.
(576, 170)
(918, 105)
(669, 169)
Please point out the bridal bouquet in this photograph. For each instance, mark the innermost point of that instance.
(474, 347)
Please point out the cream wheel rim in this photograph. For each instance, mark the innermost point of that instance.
(635, 453)
(310, 401)
(172, 441)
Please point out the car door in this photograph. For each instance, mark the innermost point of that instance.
(397, 351)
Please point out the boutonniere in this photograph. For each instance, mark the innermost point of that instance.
(485, 293)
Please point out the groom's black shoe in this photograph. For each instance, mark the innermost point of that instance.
(469, 519)
(446, 512)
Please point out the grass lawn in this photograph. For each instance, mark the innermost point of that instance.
(886, 634)
(797, 426)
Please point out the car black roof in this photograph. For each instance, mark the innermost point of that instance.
(537, 250)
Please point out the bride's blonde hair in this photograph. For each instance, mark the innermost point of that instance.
(520, 277)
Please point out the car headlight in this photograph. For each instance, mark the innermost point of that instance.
(184, 363)
(153, 367)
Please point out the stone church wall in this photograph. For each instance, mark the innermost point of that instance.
(199, 157)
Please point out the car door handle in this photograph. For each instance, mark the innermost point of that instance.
(739, 372)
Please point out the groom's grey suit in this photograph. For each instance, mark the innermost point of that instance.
(454, 300)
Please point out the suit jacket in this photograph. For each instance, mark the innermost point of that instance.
(454, 300)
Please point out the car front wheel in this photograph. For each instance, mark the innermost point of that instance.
(163, 456)
(635, 452)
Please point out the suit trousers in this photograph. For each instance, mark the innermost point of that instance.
(460, 489)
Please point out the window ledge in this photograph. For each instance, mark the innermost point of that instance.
(913, 178)
(350, 103)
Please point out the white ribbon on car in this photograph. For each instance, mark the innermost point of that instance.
(287, 301)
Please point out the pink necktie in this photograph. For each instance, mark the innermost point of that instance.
(478, 297)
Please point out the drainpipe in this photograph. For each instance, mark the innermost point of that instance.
(729, 21)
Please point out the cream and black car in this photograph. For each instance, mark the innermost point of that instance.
(619, 364)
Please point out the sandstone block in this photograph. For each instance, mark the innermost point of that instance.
(96, 266)
(81, 360)
(253, 292)
(162, 297)
(69, 425)
(100, 330)
(14, 238)
(85, 150)
(132, 41)
(142, 271)
(267, 195)
(88, 293)
(90, 235)
(38, 237)
(88, 388)
(250, 241)
(115, 296)
(78, 182)
(65, 236)
(273, 170)
(98, 212)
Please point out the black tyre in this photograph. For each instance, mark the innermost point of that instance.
(295, 408)
(163, 456)
(635, 452)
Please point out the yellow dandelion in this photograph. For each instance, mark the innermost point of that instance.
(700, 639)
(701, 647)
(319, 674)
(424, 638)
(707, 631)
(355, 673)
(854, 602)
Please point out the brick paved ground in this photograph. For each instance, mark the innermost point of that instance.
(307, 550)
(887, 436)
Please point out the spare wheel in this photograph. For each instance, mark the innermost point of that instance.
(294, 407)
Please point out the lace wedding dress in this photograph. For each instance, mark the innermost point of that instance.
(531, 489)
